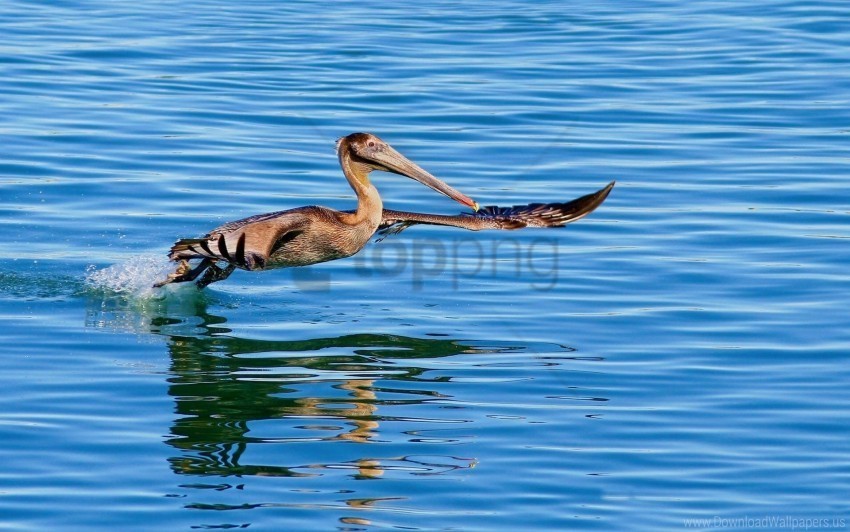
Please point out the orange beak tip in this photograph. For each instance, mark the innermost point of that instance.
(475, 206)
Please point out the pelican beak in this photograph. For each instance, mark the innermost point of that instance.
(392, 161)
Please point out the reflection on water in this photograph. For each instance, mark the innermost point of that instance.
(324, 389)
(238, 400)
(313, 418)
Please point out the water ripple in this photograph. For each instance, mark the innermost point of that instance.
(679, 354)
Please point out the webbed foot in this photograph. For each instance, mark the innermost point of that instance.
(185, 272)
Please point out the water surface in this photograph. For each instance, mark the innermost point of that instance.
(680, 355)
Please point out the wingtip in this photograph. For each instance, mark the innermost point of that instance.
(602, 194)
(581, 207)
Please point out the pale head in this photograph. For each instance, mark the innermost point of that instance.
(366, 152)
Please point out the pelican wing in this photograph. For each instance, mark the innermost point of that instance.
(248, 243)
(506, 218)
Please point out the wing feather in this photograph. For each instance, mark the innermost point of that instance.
(247, 243)
(504, 218)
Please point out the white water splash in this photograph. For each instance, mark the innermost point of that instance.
(122, 297)
(134, 277)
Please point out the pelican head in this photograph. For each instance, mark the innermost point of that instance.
(368, 152)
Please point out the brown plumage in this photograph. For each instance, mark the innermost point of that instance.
(309, 235)
(306, 235)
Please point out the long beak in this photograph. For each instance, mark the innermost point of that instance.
(397, 163)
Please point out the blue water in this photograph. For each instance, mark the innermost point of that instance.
(679, 359)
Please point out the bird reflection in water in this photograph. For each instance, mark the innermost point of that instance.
(222, 385)
(358, 406)
(236, 399)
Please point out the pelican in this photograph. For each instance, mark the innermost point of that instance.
(310, 235)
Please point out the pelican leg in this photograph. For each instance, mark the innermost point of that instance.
(213, 274)
(185, 272)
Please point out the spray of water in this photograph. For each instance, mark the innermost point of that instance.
(121, 297)
(133, 277)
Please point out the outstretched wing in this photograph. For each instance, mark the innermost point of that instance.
(493, 217)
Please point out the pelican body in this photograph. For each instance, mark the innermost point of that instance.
(310, 235)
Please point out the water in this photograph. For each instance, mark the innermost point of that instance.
(679, 355)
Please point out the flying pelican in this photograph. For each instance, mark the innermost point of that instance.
(309, 235)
